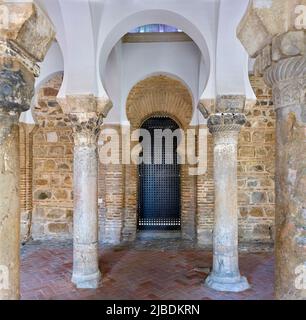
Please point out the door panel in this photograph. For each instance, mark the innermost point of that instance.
(159, 184)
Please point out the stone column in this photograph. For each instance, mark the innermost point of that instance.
(225, 275)
(24, 41)
(273, 33)
(288, 79)
(86, 272)
(86, 116)
(9, 205)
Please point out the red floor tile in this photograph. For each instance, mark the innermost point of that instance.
(134, 273)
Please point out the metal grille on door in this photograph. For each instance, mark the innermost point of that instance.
(159, 182)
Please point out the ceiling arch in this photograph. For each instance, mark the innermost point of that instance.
(151, 16)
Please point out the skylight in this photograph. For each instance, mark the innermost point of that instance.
(155, 28)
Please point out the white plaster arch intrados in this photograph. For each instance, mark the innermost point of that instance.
(153, 16)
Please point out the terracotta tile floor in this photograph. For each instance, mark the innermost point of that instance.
(145, 271)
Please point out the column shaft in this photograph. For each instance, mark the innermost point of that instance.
(86, 129)
(226, 221)
(288, 79)
(86, 272)
(9, 207)
(225, 275)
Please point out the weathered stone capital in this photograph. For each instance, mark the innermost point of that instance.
(16, 86)
(226, 122)
(288, 80)
(86, 128)
(86, 113)
(285, 70)
(25, 37)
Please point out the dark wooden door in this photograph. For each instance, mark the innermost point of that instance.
(159, 183)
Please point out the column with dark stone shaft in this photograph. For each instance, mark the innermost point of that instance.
(9, 205)
(287, 77)
(86, 273)
(24, 41)
(225, 275)
(273, 33)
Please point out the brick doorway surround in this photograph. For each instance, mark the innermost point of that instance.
(160, 96)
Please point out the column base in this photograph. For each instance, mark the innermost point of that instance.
(227, 284)
(91, 281)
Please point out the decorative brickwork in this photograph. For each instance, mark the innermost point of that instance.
(159, 95)
(26, 132)
(111, 196)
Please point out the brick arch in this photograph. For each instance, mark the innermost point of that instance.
(159, 95)
(165, 96)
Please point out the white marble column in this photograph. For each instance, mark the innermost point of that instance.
(86, 273)
(225, 275)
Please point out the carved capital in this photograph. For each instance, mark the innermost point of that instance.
(86, 128)
(226, 122)
(25, 37)
(288, 80)
(16, 86)
(86, 113)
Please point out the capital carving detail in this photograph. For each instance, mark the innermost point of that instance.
(16, 86)
(288, 80)
(226, 122)
(86, 114)
(86, 129)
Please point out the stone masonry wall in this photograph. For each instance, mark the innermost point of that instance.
(256, 168)
(52, 167)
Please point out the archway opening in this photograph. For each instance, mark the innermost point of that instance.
(159, 194)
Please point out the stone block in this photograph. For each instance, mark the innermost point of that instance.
(259, 197)
(58, 227)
